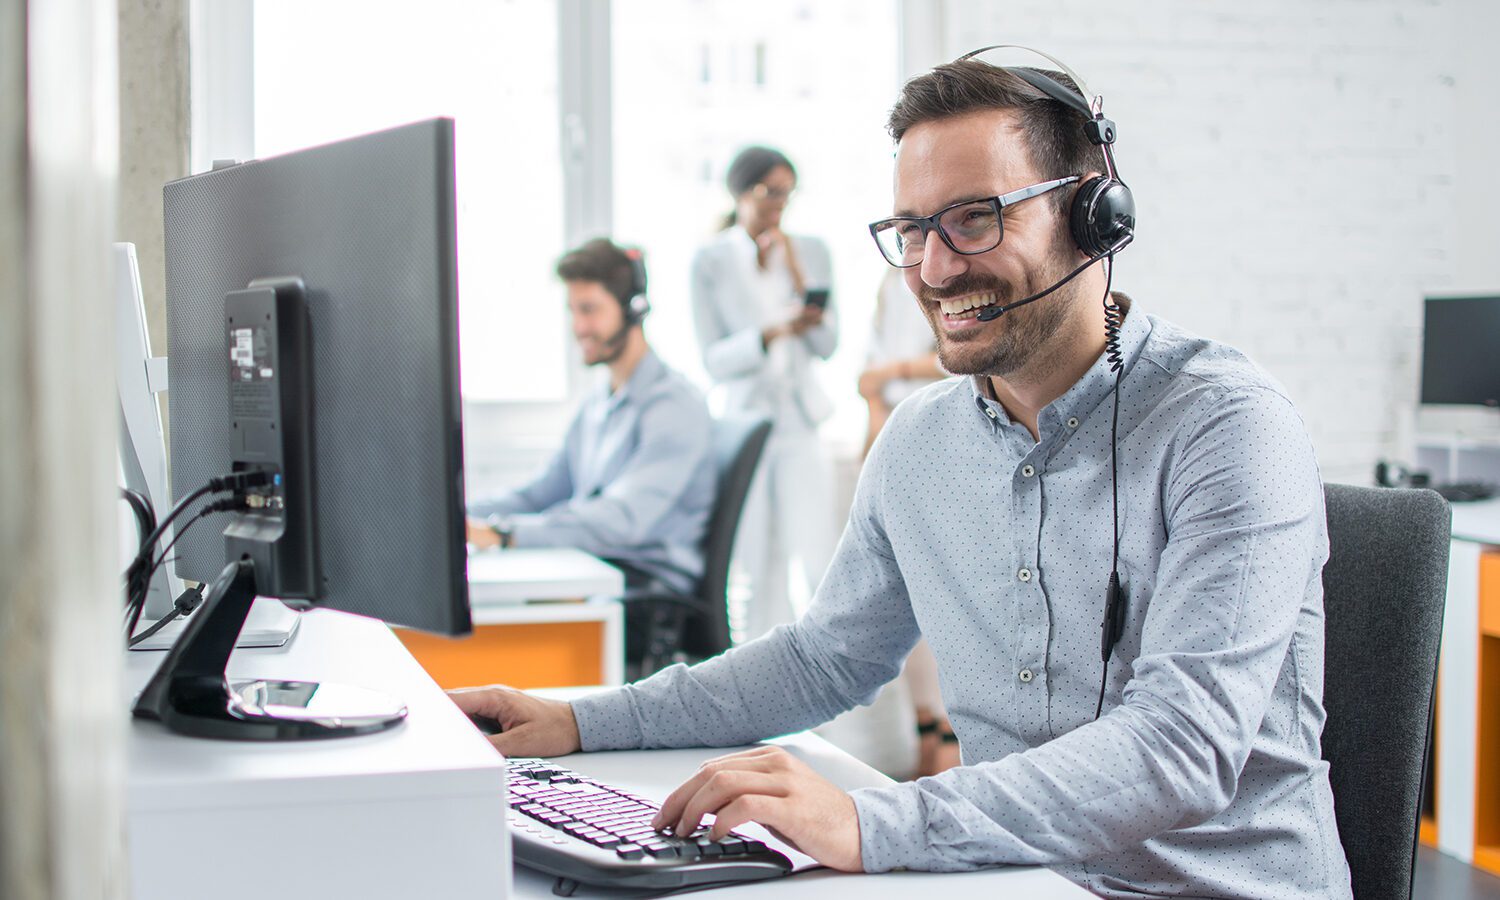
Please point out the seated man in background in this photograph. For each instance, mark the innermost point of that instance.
(634, 480)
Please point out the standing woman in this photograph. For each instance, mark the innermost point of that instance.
(763, 313)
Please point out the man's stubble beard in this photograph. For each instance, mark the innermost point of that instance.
(1023, 333)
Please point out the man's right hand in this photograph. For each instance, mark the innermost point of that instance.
(479, 533)
(531, 726)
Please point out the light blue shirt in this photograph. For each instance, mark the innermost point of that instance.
(1203, 777)
(633, 481)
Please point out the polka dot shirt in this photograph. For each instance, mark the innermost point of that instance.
(1203, 776)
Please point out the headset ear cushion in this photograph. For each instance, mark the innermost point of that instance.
(636, 309)
(1102, 216)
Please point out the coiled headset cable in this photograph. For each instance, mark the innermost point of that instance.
(1114, 598)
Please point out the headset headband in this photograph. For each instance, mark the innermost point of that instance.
(1089, 107)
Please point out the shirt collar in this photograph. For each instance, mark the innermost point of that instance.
(647, 372)
(1087, 392)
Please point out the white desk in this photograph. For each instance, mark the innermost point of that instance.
(1476, 528)
(417, 811)
(1478, 521)
(512, 587)
(655, 773)
(411, 812)
(499, 577)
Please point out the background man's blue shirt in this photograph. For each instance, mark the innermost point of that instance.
(633, 481)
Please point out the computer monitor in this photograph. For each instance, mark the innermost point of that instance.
(1460, 343)
(143, 456)
(312, 332)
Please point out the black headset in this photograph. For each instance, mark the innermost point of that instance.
(636, 305)
(1102, 216)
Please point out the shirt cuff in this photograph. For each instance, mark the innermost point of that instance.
(607, 721)
(534, 530)
(892, 828)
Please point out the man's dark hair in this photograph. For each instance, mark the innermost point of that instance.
(601, 261)
(1053, 131)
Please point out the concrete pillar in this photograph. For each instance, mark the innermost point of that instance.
(62, 713)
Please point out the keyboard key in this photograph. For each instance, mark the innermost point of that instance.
(661, 851)
(630, 851)
(708, 848)
(733, 845)
(752, 846)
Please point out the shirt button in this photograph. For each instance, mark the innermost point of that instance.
(1024, 574)
(1028, 471)
(989, 412)
(1026, 676)
(1073, 423)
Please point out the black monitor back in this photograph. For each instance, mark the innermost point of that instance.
(1460, 346)
(368, 225)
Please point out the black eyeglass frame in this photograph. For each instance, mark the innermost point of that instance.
(929, 224)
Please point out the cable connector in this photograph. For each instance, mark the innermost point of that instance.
(240, 481)
(188, 600)
(227, 504)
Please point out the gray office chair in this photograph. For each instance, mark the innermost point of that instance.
(697, 627)
(1384, 589)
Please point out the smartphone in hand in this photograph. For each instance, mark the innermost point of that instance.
(816, 297)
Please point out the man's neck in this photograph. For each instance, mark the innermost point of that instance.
(1055, 370)
(623, 366)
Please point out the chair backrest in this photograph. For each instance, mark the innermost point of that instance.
(737, 446)
(1384, 589)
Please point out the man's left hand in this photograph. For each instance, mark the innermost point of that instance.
(772, 787)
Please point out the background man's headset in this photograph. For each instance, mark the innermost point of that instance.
(1101, 219)
(636, 305)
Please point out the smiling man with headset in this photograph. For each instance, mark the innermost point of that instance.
(1103, 481)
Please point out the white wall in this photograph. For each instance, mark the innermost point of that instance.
(1295, 168)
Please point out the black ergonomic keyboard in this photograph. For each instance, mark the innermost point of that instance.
(573, 827)
(1466, 491)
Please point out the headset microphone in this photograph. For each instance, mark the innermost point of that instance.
(991, 313)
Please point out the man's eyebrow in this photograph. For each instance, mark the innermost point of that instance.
(907, 213)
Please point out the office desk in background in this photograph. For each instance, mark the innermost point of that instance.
(1464, 820)
(542, 617)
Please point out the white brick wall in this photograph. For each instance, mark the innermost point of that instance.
(1294, 167)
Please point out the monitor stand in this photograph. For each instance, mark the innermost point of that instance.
(190, 693)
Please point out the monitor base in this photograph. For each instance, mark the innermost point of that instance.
(190, 694)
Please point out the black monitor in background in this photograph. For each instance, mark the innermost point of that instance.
(1461, 351)
(313, 351)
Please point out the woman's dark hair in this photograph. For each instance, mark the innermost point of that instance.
(1054, 132)
(749, 167)
(599, 261)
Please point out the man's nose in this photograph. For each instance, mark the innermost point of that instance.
(939, 263)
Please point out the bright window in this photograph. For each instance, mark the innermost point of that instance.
(332, 69)
(693, 83)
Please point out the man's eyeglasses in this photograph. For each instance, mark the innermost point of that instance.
(974, 226)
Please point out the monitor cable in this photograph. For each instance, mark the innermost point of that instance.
(138, 573)
(191, 598)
